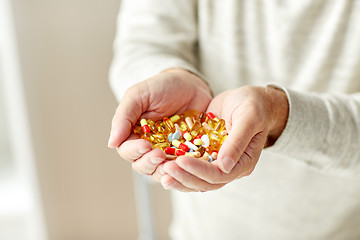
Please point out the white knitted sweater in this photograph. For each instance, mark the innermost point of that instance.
(307, 186)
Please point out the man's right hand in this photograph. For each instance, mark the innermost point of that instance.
(170, 92)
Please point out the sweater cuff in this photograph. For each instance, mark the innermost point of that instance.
(306, 128)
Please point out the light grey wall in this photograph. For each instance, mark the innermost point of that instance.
(65, 52)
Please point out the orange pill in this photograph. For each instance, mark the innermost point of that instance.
(169, 124)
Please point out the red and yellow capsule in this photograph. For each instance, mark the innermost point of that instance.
(180, 145)
(179, 152)
(212, 116)
(145, 126)
(170, 150)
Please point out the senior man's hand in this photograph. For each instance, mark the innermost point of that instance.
(253, 115)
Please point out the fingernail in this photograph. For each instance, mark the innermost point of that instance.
(111, 138)
(161, 170)
(156, 161)
(143, 150)
(166, 185)
(227, 164)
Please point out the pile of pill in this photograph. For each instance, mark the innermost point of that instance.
(195, 134)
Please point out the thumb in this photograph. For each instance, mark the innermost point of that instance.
(127, 113)
(235, 144)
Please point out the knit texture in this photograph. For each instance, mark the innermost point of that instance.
(307, 186)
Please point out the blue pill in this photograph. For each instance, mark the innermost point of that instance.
(170, 137)
(176, 136)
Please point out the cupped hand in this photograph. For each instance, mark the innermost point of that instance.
(253, 115)
(168, 93)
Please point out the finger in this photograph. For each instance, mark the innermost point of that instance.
(159, 172)
(127, 113)
(252, 154)
(208, 172)
(235, 144)
(148, 163)
(211, 173)
(168, 182)
(134, 148)
(248, 159)
(187, 179)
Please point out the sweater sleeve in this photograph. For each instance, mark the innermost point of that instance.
(152, 36)
(323, 131)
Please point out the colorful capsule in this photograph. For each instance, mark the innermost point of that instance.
(196, 129)
(177, 127)
(183, 126)
(223, 139)
(206, 141)
(205, 157)
(220, 125)
(144, 126)
(180, 145)
(202, 134)
(149, 137)
(190, 113)
(193, 154)
(170, 157)
(152, 126)
(176, 136)
(162, 146)
(214, 135)
(161, 127)
(170, 150)
(212, 116)
(202, 117)
(198, 136)
(189, 122)
(191, 145)
(138, 130)
(212, 123)
(170, 137)
(201, 150)
(159, 137)
(175, 118)
(198, 142)
(179, 152)
(169, 124)
(207, 127)
(214, 145)
(186, 136)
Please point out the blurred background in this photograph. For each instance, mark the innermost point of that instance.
(81, 189)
